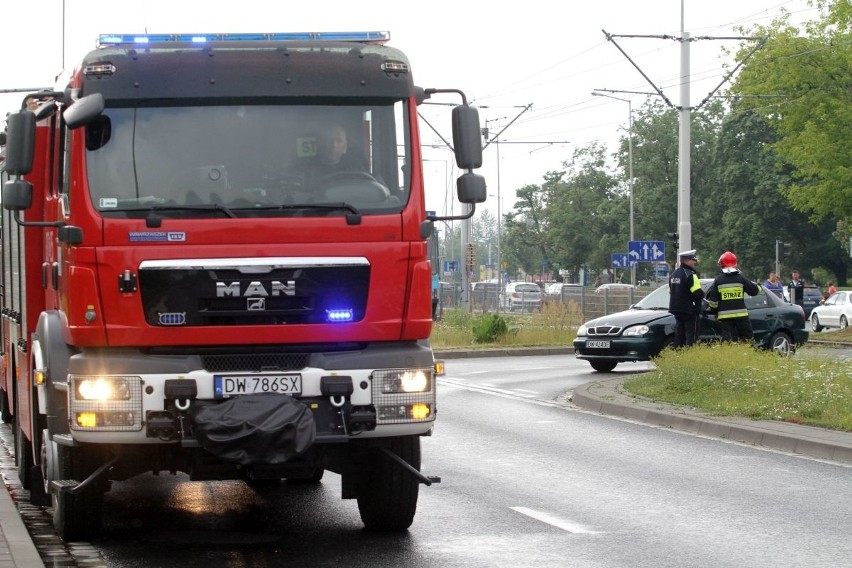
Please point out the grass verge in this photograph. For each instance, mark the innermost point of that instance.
(730, 379)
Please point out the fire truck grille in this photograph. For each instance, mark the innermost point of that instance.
(231, 295)
(255, 362)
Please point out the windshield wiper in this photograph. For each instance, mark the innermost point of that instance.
(152, 220)
(290, 206)
(352, 218)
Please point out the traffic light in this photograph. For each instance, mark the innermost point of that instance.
(673, 237)
(782, 250)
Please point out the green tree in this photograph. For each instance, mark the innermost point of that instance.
(749, 210)
(586, 211)
(802, 85)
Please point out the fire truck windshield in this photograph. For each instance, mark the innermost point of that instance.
(248, 159)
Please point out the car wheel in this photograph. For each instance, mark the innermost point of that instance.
(603, 366)
(781, 343)
(815, 323)
(844, 323)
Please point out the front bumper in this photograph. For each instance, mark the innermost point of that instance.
(348, 393)
(620, 348)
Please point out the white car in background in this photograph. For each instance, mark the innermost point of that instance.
(836, 311)
(524, 296)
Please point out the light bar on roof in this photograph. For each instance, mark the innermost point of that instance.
(147, 39)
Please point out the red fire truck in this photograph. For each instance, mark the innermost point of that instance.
(190, 285)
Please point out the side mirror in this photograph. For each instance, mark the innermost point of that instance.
(83, 111)
(467, 138)
(17, 195)
(20, 143)
(471, 188)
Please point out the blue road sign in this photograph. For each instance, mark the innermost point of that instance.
(646, 251)
(620, 260)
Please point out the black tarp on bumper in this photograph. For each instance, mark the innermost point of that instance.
(255, 429)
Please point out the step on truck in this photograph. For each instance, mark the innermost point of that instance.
(188, 286)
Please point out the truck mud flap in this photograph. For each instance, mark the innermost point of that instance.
(255, 429)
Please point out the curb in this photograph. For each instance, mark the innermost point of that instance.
(607, 397)
(16, 544)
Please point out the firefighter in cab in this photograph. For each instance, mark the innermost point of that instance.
(726, 299)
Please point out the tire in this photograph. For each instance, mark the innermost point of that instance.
(77, 517)
(815, 326)
(387, 495)
(309, 476)
(23, 456)
(844, 323)
(603, 366)
(781, 343)
(4, 407)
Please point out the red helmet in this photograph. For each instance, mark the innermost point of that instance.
(728, 260)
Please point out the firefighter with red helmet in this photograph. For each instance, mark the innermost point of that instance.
(726, 298)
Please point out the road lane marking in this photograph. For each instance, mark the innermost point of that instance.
(553, 520)
(460, 383)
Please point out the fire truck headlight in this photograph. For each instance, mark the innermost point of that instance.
(404, 380)
(102, 388)
(404, 395)
(105, 403)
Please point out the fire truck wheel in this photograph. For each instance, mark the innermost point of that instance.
(77, 517)
(308, 476)
(387, 496)
(23, 456)
(4, 407)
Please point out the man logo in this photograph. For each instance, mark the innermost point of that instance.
(256, 289)
(256, 304)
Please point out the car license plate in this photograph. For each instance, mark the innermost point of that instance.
(225, 386)
(597, 344)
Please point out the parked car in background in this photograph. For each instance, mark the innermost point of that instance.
(560, 289)
(484, 295)
(640, 333)
(811, 298)
(615, 288)
(525, 296)
(836, 311)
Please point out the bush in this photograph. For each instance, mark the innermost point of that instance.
(488, 328)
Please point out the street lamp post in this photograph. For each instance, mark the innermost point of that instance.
(629, 167)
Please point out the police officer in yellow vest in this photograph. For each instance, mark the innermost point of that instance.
(685, 295)
(726, 298)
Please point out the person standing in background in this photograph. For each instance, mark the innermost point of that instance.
(832, 289)
(774, 285)
(796, 289)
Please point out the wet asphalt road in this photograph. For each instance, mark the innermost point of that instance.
(527, 480)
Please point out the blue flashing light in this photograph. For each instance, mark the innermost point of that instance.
(147, 39)
(339, 315)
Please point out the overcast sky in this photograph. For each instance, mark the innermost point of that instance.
(544, 55)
